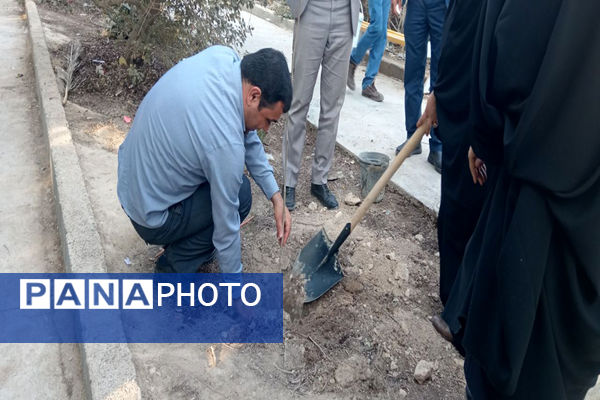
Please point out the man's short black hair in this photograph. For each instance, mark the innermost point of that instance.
(268, 69)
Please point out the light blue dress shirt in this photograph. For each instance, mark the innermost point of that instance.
(188, 130)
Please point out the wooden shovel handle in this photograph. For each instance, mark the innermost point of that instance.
(408, 148)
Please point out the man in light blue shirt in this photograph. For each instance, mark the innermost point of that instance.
(181, 167)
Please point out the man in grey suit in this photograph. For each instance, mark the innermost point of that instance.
(322, 37)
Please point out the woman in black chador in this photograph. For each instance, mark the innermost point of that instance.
(525, 306)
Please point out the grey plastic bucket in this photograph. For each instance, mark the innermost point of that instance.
(372, 166)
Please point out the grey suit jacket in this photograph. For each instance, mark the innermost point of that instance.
(298, 6)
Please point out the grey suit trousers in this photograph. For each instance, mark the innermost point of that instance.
(322, 37)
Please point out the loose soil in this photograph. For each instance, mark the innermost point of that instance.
(361, 340)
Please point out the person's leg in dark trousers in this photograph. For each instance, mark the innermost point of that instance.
(187, 233)
(415, 33)
(436, 13)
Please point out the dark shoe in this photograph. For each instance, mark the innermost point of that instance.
(350, 80)
(417, 149)
(442, 327)
(371, 92)
(435, 159)
(324, 195)
(290, 198)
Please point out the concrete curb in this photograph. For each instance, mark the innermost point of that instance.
(108, 368)
(388, 66)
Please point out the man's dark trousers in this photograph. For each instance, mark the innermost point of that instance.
(424, 20)
(187, 233)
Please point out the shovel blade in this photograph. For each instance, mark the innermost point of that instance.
(321, 272)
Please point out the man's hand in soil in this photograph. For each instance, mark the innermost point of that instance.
(283, 219)
(429, 117)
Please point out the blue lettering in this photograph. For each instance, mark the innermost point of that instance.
(136, 288)
(64, 296)
(31, 294)
(108, 297)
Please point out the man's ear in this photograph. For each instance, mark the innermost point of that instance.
(253, 97)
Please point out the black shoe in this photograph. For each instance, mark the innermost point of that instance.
(324, 195)
(417, 149)
(290, 198)
(350, 80)
(442, 327)
(435, 159)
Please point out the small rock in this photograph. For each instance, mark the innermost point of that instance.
(401, 272)
(404, 327)
(312, 206)
(352, 285)
(293, 355)
(344, 375)
(419, 237)
(351, 270)
(286, 316)
(423, 371)
(459, 362)
(393, 365)
(339, 215)
(270, 157)
(257, 254)
(354, 369)
(391, 256)
(335, 176)
(401, 394)
(437, 254)
(351, 199)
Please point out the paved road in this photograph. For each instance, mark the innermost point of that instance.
(28, 238)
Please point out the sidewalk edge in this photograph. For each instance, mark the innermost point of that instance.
(108, 369)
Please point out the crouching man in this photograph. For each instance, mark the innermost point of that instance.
(181, 166)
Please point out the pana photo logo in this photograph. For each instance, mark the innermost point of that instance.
(134, 294)
(141, 308)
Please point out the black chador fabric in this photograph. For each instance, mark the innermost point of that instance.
(526, 303)
(461, 200)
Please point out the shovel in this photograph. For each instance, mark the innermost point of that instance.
(318, 260)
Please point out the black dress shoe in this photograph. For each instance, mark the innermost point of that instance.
(417, 149)
(324, 195)
(290, 198)
(435, 159)
(442, 327)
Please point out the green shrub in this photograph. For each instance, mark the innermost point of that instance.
(173, 29)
